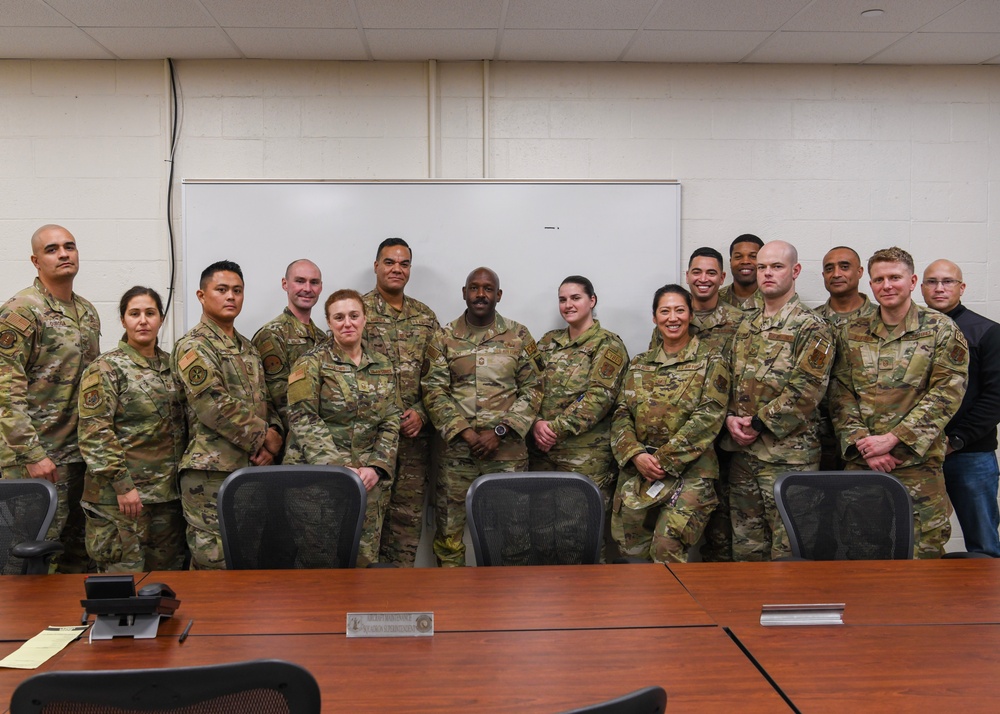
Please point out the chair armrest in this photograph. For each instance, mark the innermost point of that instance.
(36, 549)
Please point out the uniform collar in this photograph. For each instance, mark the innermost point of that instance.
(311, 329)
(143, 361)
(464, 330)
(562, 338)
(55, 303)
(687, 354)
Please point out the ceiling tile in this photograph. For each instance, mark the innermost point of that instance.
(18, 13)
(577, 14)
(445, 45)
(312, 14)
(564, 45)
(845, 15)
(753, 15)
(430, 14)
(48, 43)
(133, 13)
(942, 48)
(970, 16)
(823, 47)
(298, 44)
(693, 46)
(158, 43)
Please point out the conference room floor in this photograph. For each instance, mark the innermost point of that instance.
(918, 635)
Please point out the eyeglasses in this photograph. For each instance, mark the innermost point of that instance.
(948, 283)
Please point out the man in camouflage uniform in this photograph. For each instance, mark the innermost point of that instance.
(781, 360)
(399, 328)
(743, 292)
(482, 389)
(48, 336)
(231, 421)
(842, 273)
(715, 321)
(899, 378)
(291, 334)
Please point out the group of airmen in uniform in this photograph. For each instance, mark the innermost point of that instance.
(685, 440)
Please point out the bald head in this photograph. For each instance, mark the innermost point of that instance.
(53, 253)
(778, 250)
(942, 286)
(304, 263)
(487, 272)
(41, 236)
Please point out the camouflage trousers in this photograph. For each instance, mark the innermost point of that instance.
(758, 531)
(458, 470)
(153, 541)
(932, 525)
(371, 531)
(602, 471)
(404, 516)
(200, 501)
(718, 544)
(665, 532)
(68, 523)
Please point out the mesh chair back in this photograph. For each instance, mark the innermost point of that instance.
(27, 507)
(284, 517)
(258, 687)
(535, 518)
(651, 700)
(846, 515)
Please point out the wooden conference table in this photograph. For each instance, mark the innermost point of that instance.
(540, 639)
(919, 636)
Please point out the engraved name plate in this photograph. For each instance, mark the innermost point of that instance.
(390, 624)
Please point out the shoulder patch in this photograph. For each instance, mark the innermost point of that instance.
(819, 354)
(18, 322)
(187, 358)
(530, 347)
(432, 352)
(197, 375)
(722, 384)
(296, 375)
(92, 398)
(8, 338)
(90, 380)
(273, 364)
(957, 355)
(266, 346)
(615, 357)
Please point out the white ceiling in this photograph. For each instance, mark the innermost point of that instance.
(772, 31)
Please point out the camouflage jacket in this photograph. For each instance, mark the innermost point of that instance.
(781, 366)
(908, 384)
(44, 349)
(675, 404)
(221, 380)
(402, 337)
(476, 383)
(342, 414)
(132, 430)
(280, 343)
(715, 327)
(839, 319)
(581, 381)
(728, 295)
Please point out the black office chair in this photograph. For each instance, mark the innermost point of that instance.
(258, 687)
(535, 518)
(846, 515)
(651, 700)
(284, 517)
(27, 507)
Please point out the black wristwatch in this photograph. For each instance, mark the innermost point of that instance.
(757, 425)
(501, 430)
(956, 442)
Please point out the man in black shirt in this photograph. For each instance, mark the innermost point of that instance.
(970, 467)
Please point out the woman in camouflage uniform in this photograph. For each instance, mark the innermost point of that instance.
(342, 411)
(132, 434)
(584, 366)
(670, 409)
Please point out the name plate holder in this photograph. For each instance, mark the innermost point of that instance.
(390, 624)
(830, 613)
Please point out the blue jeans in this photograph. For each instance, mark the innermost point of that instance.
(972, 480)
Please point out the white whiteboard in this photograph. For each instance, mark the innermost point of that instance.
(624, 236)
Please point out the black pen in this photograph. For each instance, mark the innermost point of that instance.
(184, 635)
